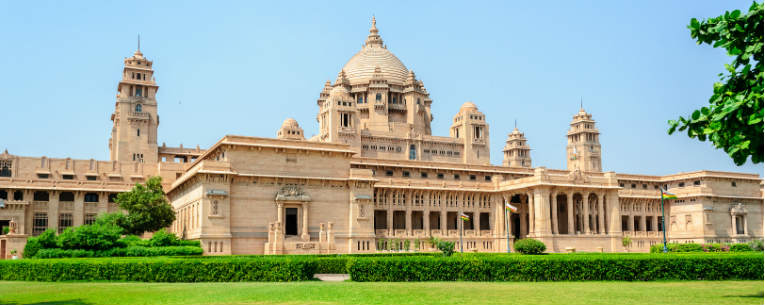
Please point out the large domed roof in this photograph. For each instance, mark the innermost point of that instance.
(361, 67)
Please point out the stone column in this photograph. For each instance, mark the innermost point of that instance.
(631, 217)
(570, 210)
(641, 225)
(53, 205)
(390, 220)
(541, 210)
(79, 210)
(524, 211)
(614, 215)
(408, 221)
(532, 219)
(554, 203)
(586, 204)
(477, 222)
(655, 221)
(601, 215)
(280, 215)
(443, 221)
(305, 235)
(426, 221)
(746, 231)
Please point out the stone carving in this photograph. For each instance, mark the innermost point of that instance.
(13, 226)
(362, 210)
(576, 176)
(292, 193)
(738, 209)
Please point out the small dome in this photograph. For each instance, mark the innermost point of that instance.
(338, 90)
(468, 105)
(290, 122)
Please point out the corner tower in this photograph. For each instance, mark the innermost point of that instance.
(469, 127)
(583, 149)
(517, 151)
(134, 133)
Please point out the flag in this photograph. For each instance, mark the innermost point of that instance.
(667, 195)
(464, 217)
(510, 207)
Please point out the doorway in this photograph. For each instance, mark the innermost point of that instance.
(291, 221)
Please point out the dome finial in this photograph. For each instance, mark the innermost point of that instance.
(374, 37)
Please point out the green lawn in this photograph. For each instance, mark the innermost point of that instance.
(569, 293)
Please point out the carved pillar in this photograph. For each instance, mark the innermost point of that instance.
(53, 212)
(655, 219)
(443, 221)
(541, 210)
(614, 215)
(78, 214)
(322, 233)
(331, 235)
(389, 215)
(570, 210)
(523, 214)
(280, 215)
(631, 216)
(601, 215)
(408, 221)
(305, 236)
(532, 220)
(554, 207)
(586, 204)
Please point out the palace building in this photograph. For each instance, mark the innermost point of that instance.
(374, 174)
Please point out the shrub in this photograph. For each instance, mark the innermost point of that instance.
(229, 269)
(756, 245)
(417, 244)
(406, 244)
(162, 238)
(32, 247)
(133, 240)
(529, 246)
(713, 247)
(740, 248)
(90, 237)
(46, 240)
(6, 230)
(576, 267)
(446, 247)
(689, 247)
(626, 241)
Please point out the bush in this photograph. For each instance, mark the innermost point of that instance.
(714, 247)
(446, 247)
(46, 240)
(756, 245)
(529, 246)
(90, 237)
(162, 238)
(576, 267)
(5, 230)
(230, 269)
(690, 247)
(740, 248)
(137, 251)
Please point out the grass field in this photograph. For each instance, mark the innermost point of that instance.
(686, 292)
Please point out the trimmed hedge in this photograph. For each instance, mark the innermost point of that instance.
(635, 267)
(137, 251)
(529, 246)
(158, 269)
(694, 247)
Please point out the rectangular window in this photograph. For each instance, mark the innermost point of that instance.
(90, 218)
(424, 175)
(389, 173)
(472, 177)
(43, 176)
(67, 177)
(91, 178)
(405, 174)
(39, 223)
(440, 176)
(487, 178)
(64, 221)
(456, 177)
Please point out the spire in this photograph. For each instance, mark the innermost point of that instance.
(138, 50)
(374, 37)
(581, 104)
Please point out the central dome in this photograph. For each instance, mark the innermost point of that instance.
(361, 67)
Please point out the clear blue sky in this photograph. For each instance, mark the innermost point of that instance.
(242, 68)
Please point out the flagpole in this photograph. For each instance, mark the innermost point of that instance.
(507, 226)
(663, 221)
(462, 226)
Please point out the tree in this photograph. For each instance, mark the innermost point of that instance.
(147, 208)
(733, 120)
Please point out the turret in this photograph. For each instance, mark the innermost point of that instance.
(583, 149)
(469, 125)
(517, 151)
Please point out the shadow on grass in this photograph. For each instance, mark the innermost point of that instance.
(62, 302)
(754, 295)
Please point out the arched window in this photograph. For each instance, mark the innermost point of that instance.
(5, 171)
(138, 132)
(378, 97)
(138, 108)
(412, 152)
(360, 100)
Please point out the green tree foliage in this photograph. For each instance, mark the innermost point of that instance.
(733, 119)
(147, 208)
(91, 237)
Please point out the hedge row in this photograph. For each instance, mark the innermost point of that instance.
(118, 252)
(158, 269)
(641, 267)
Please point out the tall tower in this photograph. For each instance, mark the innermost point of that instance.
(583, 149)
(134, 133)
(470, 128)
(517, 151)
